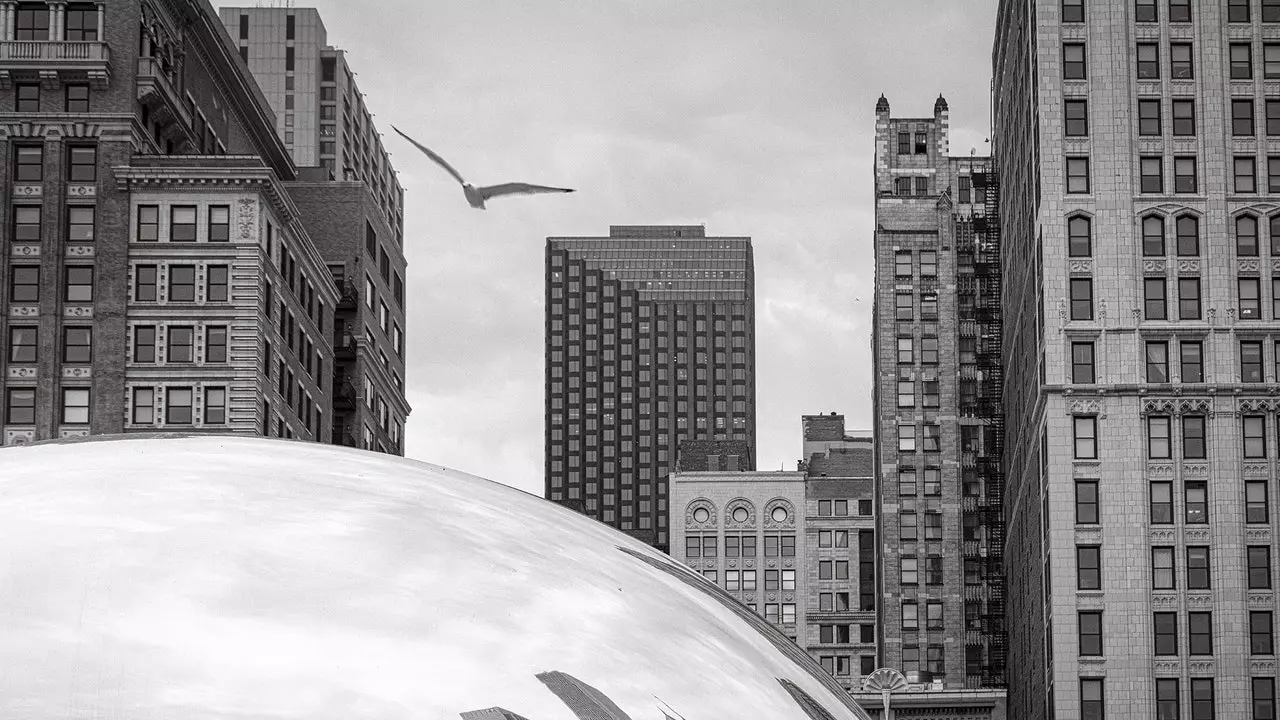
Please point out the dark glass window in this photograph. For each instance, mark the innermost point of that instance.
(1152, 174)
(1082, 370)
(1153, 234)
(77, 345)
(1072, 10)
(26, 223)
(1087, 502)
(1241, 117)
(1259, 558)
(1181, 61)
(1251, 361)
(1241, 61)
(148, 223)
(182, 223)
(26, 97)
(1073, 61)
(1145, 11)
(144, 343)
(219, 223)
(82, 164)
(178, 406)
(1189, 298)
(1149, 117)
(1166, 633)
(1079, 237)
(1161, 503)
(1192, 361)
(1245, 175)
(182, 283)
(1261, 636)
(32, 22)
(1090, 633)
(1157, 361)
(1184, 175)
(28, 164)
(1077, 117)
(23, 345)
(1089, 567)
(1179, 10)
(1167, 707)
(1198, 568)
(1092, 704)
(1238, 11)
(1184, 117)
(80, 223)
(1148, 61)
(1187, 228)
(79, 281)
(1081, 299)
(81, 21)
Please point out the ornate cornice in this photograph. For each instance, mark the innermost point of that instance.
(1177, 406)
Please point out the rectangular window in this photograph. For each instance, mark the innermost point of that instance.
(1161, 503)
(178, 406)
(1241, 117)
(289, 27)
(1181, 61)
(1079, 237)
(1250, 299)
(1157, 362)
(82, 163)
(1072, 10)
(1259, 560)
(1201, 699)
(28, 164)
(1270, 61)
(1238, 11)
(1263, 691)
(1081, 299)
(1152, 178)
(288, 59)
(1245, 175)
(77, 345)
(144, 343)
(1166, 633)
(906, 438)
(1184, 175)
(1149, 117)
(1250, 361)
(1090, 633)
(1193, 437)
(144, 287)
(1162, 573)
(182, 283)
(1154, 300)
(1197, 567)
(144, 406)
(1086, 502)
(24, 284)
(20, 406)
(1167, 706)
(79, 284)
(1197, 502)
(216, 283)
(1255, 502)
(182, 223)
(1088, 567)
(1158, 437)
(148, 223)
(904, 143)
(1200, 633)
(1085, 428)
(1191, 361)
(1179, 10)
(1148, 61)
(26, 97)
(23, 344)
(1261, 635)
(1184, 117)
(80, 223)
(1272, 108)
(75, 406)
(1082, 363)
(26, 223)
(181, 344)
(1189, 298)
(219, 223)
(1078, 175)
(1247, 236)
(215, 344)
(1076, 113)
(1092, 706)
(1241, 61)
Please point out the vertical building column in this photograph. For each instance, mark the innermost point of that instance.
(57, 20)
(102, 13)
(7, 18)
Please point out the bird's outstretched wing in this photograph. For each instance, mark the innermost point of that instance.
(518, 188)
(427, 151)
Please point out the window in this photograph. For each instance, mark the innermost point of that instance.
(1149, 117)
(1198, 568)
(907, 529)
(906, 351)
(148, 223)
(907, 481)
(1250, 302)
(1157, 361)
(289, 27)
(81, 21)
(27, 97)
(144, 288)
(1200, 633)
(1241, 117)
(1166, 633)
(929, 350)
(1184, 117)
(1272, 108)
(910, 615)
(1091, 699)
(1079, 236)
(1197, 492)
(903, 306)
(1078, 175)
(182, 283)
(80, 223)
(906, 438)
(1259, 558)
(288, 59)
(1179, 10)
(1181, 64)
(177, 409)
(1081, 299)
(1072, 10)
(1086, 502)
(32, 22)
(1152, 179)
(1250, 361)
(1241, 61)
(75, 406)
(1246, 182)
(1167, 707)
(932, 526)
(23, 344)
(1153, 234)
(77, 345)
(902, 264)
(26, 223)
(20, 406)
(181, 346)
(921, 147)
(1247, 234)
(144, 406)
(902, 186)
(79, 284)
(910, 571)
(1161, 503)
(1270, 61)
(1254, 431)
(216, 283)
(1189, 298)
(904, 143)
(1193, 437)
(1261, 637)
(1192, 361)
(1263, 689)
(1238, 10)
(1275, 219)
(1088, 567)
(1255, 502)
(144, 343)
(1201, 698)
(932, 438)
(82, 164)
(1148, 61)
(215, 348)
(1082, 362)
(28, 164)
(219, 223)
(24, 284)
(1158, 445)
(1162, 573)
(1076, 113)
(1184, 175)
(906, 393)
(182, 223)
(1090, 632)
(1085, 429)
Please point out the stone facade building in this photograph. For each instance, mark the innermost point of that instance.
(1135, 145)
(936, 340)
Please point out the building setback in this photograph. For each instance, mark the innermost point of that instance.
(650, 341)
(936, 340)
(1134, 145)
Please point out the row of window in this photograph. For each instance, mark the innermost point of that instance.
(24, 284)
(704, 546)
(911, 615)
(33, 19)
(932, 437)
(180, 405)
(20, 406)
(1168, 700)
(28, 163)
(75, 98)
(179, 342)
(1179, 11)
(1248, 241)
(181, 283)
(1190, 361)
(26, 223)
(183, 221)
(1199, 633)
(903, 263)
(1198, 575)
(1194, 442)
(928, 354)
(839, 665)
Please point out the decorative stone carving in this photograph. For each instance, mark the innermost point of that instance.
(19, 437)
(1196, 534)
(1259, 667)
(1158, 265)
(1168, 667)
(73, 432)
(1261, 600)
(1188, 265)
(77, 371)
(27, 192)
(1257, 535)
(1195, 469)
(1258, 470)
(1255, 405)
(24, 251)
(770, 523)
(731, 513)
(77, 311)
(1163, 536)
(24, 311)
(1248, 265)
(1164, 601)
(1159, 406)
(81, 251)
(700, 515)
(82, 191)
(247, 220)
(1200, 667)
(1275, 265)
(18, 372)
(1086, 407)
(1199, 601)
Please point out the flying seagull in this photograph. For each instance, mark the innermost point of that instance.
(477, 195)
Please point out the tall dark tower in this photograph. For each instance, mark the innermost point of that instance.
(650, 341)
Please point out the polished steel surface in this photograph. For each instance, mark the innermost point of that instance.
(231, 578)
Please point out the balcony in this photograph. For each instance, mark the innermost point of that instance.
(159, 93)
(350, 297)
(344, 343)
(344, 395)
(343, 435)
(54, 62)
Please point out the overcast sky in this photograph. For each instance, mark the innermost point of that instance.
(752, 117)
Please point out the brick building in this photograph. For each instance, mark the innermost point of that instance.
(650, 336)
(1135, 148)
(936, 340)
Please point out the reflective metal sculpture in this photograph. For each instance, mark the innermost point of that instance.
(211, 578)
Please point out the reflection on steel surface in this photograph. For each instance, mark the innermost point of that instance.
(220, 578)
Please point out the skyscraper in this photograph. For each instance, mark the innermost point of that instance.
(650, 340)
(352, 205)
(936, 340)
(585, 701)
(1130, 142)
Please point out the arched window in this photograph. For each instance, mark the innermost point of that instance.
(1153, 235)
(1247, 236)
(1188, 230)
(1079, 236)
(1275, 234)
